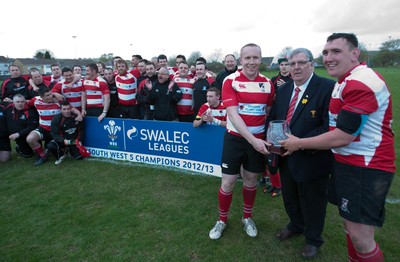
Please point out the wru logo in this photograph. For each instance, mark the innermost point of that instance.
(112, 130)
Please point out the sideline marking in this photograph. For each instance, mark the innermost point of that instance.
(393, 200)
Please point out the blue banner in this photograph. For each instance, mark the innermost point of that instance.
(172, 144)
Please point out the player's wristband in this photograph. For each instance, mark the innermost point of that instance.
(105, 112)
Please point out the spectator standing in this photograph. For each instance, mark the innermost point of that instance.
(200, 86)
(284, 73)
(230, 68)
(165, 95)
(114, 110)
(145, 107)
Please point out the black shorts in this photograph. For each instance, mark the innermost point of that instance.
(131, 112)
(44, 134)
(237, 152)
(5, 144)
(361, 193)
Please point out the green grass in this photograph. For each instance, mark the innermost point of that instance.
(115, 211)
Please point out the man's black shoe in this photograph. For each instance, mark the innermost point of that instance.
(309, 251)
(40, 161)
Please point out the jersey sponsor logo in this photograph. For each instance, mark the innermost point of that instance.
(251, 109)
(224, 165)
(242, 86)
(71, 130)
(262, 87)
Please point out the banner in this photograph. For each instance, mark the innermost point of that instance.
(172, 144)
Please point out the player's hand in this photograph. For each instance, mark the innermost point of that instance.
(14, 136)
(101, 117)
(260, 146)
(280, 82)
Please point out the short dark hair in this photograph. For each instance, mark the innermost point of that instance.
(181, 56)
(201, 63)
(145, 61)
(43, 90)
(66, 69)
(33, 69)
(53, 65)
(65, 103)
(77, 66)
(162, 56)
(93, 67)
(350, 37)
(151, 63)
(201, 59)
(214, 89)
(137, 56)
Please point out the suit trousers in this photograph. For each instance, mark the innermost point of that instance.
(305, 204)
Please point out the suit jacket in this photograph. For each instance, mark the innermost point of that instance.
(310, 118)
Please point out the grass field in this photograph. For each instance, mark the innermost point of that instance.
(96, 210)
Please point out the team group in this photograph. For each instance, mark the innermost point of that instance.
(340, 147)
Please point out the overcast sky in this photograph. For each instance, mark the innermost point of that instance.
(152, 27)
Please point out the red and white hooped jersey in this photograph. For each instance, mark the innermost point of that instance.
(252, 97)
(95, 90)
(46, 111)
(185, 105)
(218, 112)
(363, 90)
(127, 89)
(73, 95)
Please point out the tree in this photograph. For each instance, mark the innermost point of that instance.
(285, 52)
(193, 56)
(106, 57)
(364, 52)
(215, 56)
(43, 54)
(389, 53)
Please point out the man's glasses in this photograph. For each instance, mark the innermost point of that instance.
(299, 63)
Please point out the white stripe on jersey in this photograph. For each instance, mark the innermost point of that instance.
(94, 101)
(185, 102)
(126, 97)
(251, 87)
(126, 86)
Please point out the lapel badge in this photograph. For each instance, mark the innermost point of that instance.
(313, 113)
(304, 101)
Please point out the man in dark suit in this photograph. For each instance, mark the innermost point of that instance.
(303, 103)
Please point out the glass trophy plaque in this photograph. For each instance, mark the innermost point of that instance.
(276, 132)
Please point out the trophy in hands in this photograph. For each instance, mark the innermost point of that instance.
(276, 132)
